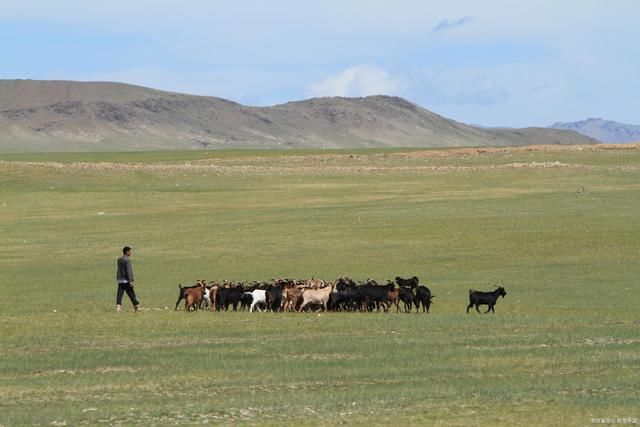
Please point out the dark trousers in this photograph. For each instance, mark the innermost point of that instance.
(126, 287)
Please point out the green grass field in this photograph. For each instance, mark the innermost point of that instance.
(559, 230)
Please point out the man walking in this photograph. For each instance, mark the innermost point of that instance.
(125, 280)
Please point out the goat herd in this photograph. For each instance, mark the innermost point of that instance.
(316, 294)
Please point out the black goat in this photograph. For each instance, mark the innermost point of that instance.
(376, 296)
(346, 297)
(226, 297)
(412, 282)
(246, 300)
(478, 298)
(408, 298)
(424, 297)
(274, 296)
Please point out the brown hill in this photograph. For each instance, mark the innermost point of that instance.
(92, 116)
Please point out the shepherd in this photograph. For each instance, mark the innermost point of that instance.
(124, 277)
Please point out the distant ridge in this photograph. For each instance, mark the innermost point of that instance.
(606, 131)
(103, 116)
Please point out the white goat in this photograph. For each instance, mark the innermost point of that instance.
(259, 296)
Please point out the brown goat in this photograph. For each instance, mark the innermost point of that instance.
(193, 297)
(393, 297)
(213, 292)
(291, 299)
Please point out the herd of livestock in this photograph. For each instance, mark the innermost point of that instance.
(315, 294)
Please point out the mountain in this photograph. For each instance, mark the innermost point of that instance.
(606, 131)
(102, 116)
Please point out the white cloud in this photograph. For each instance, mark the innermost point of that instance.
(423, 86)
(360, 80)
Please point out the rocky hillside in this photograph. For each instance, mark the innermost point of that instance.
(90, 116)
(603, 130)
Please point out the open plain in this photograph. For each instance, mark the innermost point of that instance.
(558, 227)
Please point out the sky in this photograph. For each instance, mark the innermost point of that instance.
(489, 62)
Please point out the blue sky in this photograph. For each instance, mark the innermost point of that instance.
(490, 62)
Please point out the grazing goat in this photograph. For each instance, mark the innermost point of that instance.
(478, 298)
(424, 297)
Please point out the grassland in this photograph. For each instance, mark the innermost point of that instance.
(559, 229)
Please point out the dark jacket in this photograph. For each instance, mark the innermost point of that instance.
(125, 273)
